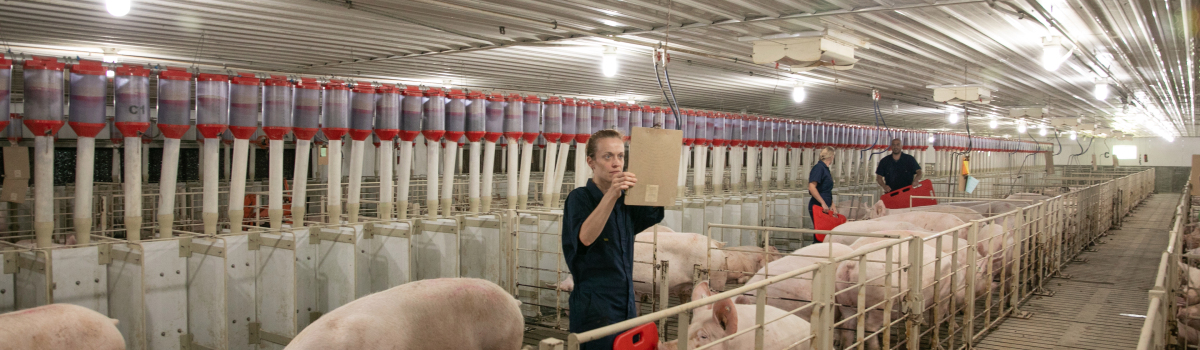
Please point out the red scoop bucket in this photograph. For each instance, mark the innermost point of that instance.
(823, 221)
(648, 340)
(899, 199)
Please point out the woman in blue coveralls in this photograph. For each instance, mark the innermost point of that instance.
(820, 186)
(597, 239)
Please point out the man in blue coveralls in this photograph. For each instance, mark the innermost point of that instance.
(898, 170)
(597, 239)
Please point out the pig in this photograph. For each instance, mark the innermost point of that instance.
(868, 226)
(59, 326)
(1189, 297)
(931, 221)
(1188, 336)
(793, 293)
(963, 213)
(1189, 315)
(723, 318)
(453, 313)
(742, 260)
(854, 209)
(983, 283)
(847, 281)
(683, 250)
(1190, 276)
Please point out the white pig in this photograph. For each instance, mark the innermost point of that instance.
(963, 213)
(59, 326)
(948, 244)
(446, 313)
(793, 293)
(723, 318)
(683, 250)
(875, 292)
(1031, 197)
(742, 260)
(867, 226)
(936, 222)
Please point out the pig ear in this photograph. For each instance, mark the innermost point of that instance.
(701, 291)
(726, 315)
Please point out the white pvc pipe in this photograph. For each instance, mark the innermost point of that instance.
(300, 183)
(237, 184)
(548, 172)
(683, 165)
(84, 170)
(580, 165)
(794, 168)
(43, 190)
(526, 166)
(355, 194)
(386, 161)
(275, 184)
(334, 193)
(718, 169)
(133, 188)
(698, 163)
(806, 163)
(513, 175)
(448, 176)
(473, 178)
(431, 177)
(751, 169)
(767, 154)
(405, 175)
(489, 168)
(560, 170)
(212, 175)
(780, 168)
(735, 168)
(166, 188)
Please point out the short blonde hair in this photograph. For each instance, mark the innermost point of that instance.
(827, 153)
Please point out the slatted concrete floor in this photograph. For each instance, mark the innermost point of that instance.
(1098, 306)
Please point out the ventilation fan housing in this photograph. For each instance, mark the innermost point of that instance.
(959, 94)
(808, 50)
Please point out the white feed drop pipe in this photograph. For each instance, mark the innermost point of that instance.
(405, 175)
(334, 193)
(431, 190)
(275, 180)
(513, 175)
(473, 178)
(560, 171)
(794, 168)
(581, 167)
(166, 187)
(735, 169)
(548, 172)
(356, 165)
(212, 174)
(43, 190)
(84, 171)
(489, 167)
(780, 168)
(133, 188)
(526, 166)
(767, 154)
(683, 165)
(237, 184)
(698, 162)
(386, 161)
(448, 176)
(300, 183)
(751, 169)
(718, 170)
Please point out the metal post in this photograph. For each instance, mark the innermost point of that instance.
(969, 315)
(916, 300)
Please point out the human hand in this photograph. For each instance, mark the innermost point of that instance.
(622, 181)
(886, 189)
(833, 211)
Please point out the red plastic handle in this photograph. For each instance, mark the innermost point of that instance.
(648, 340)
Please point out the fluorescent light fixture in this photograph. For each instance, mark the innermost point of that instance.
(1073, 134)
(118, 8)
(110, 58)
(1101, 91)
(1021, 126)
(110, 74)
(1052, 53)
(931, 138)
(993, 123)
(952, 116)
(1042, 132)
(798, 93)
(608, 64)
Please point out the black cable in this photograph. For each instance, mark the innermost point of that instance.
(1060, 147)
(666, 99)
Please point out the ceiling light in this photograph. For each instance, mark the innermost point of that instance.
(798, 93)
(1052, 53)
(952, 116)
(993, 123)
(1007, 136)
(1101, 91)
(1042, 132)
(1021, 126)
(110, 73)
(895, 106)
(1072, 133)
(109, 58)
(931, 138)
(608, 64)
(118, 8)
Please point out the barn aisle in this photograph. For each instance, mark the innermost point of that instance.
(1101, 304)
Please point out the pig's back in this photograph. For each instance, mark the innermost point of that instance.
(59, 326)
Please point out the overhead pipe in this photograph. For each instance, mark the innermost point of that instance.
(494, 129)
(362, 125)
(433, 129)
(243, 123)
(531, 125)
(411, 114)
(305, 125)
(212, 118)
(44, 117)
(132, 85)
(174, 120)
(552, 131)
(89, 89)
(336, 125)
(513, 130)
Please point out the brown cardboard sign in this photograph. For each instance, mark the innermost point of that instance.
(1049, 162)
(654, 158)
(16, 174)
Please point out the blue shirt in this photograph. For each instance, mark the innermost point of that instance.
(820, 175)
(898, 174)
(603, 271)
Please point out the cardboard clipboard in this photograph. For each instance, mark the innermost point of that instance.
(654, 159)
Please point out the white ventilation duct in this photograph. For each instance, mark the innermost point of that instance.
(1065, 122)
(1032, 112)
(808, 50)
(959, 94)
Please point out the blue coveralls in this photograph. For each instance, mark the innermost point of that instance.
(820, 175)
(603, 271)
